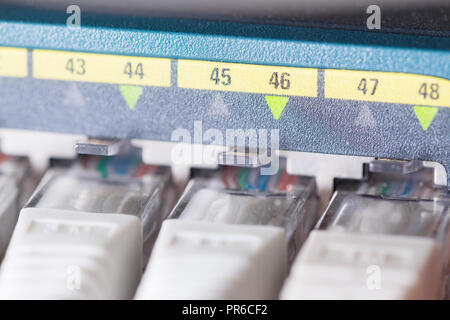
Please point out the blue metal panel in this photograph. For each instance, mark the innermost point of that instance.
(246, 43)
(307, 124)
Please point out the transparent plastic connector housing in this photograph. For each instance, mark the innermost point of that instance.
(382, 182)
(14, 187)
(206, 200)
(369, 214)
(407, 239)
(221, 243)
(373, 214)
(85, 191)
(395, 221)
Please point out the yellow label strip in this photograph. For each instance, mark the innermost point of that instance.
(387, 87)
(13, 62)
(249, 78)
(103, 68)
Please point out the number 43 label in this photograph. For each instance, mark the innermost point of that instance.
(387, 87)
(103, 68)
(237, 77)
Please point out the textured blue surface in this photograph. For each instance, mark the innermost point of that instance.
(247, 43)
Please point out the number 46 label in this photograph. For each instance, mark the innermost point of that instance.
(387, 87)
(207, 75)
(103, 68)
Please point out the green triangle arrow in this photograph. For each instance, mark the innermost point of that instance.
(131, 95)
(276, 105)
(425, 115)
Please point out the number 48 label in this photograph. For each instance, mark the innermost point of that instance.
(429, 91)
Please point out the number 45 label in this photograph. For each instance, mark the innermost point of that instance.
(387, 87)
(237, 77)
(103, 68)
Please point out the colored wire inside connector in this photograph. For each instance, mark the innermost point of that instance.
(262, 182)
(242, 178)
(3, 157)
(253, 179)
(223, 177)
(85, 160)
(142, 170)
(292, 180)
(231, 177)
(124, 165)
(102, 166)
(407, 189)
(283, 181)
(383, 189)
